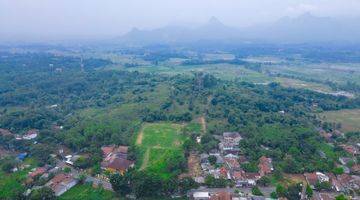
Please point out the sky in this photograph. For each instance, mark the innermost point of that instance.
(25, 19)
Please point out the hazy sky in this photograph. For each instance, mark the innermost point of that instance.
(59, 18)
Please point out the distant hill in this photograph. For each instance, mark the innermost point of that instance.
(305, 28)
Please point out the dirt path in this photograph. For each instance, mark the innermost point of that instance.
(202, 121)
(194, 165)
(140, 137)
(145, 159)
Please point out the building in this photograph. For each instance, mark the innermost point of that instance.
(222, 195)
(313, 178)
(232, 137)
(115, 159)
(232, 164)
(31, 134)
(201, 196)
(350, 149)
(37, 172)
(244, 179)
(61, 183)
(265, 166)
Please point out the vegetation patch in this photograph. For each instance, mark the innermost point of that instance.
(160, 150)
(87, 192)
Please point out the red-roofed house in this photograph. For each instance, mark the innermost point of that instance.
(61, 183)
(38, 172)
(265, 166)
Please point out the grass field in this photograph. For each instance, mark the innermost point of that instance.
(349, 119)
(294, 83)
(157, 143)
(11, 184)
(87, 192)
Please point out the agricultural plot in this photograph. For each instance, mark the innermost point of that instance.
(349, 119)
(87, 192)
(160, 144)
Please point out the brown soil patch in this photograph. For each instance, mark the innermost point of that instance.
(194, 165)
(140, 137)
(202, 121)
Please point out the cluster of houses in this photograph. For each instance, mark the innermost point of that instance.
(29, 135)
(115, 159)
(228, 162)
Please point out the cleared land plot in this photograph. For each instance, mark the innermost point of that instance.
(349, 119)
(293, 83)
(87, 192)
(160, 143)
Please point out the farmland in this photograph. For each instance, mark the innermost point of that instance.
(87, 192)
(158, 144)
(349, 118)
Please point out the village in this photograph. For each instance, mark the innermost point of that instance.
(223, 163)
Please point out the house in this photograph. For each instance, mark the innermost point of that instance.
(323, 196)
(232, 137)
(31, 134)
(37, 172)
(265, 166)
(21, 156)
(199, 179)
(5, 132)
(201, 196)
(244, 179)
(355, 169)
(118, 164)
(61, 183)
(322, 177)
(224, 173)
(311, 179)
(350, 149)
(345, 160)
(221, 195)
(348, 183)
(115, 159)
(232, 164)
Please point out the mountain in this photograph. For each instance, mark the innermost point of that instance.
(304, 28)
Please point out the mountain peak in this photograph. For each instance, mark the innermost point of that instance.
(214, 21)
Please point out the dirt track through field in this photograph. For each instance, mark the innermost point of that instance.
(203, 124)
(140, 137)
(145, 159)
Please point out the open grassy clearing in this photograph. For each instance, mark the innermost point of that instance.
(222, 71)
(349, 119)
(293, 83)
(87, 192)
(160, 142)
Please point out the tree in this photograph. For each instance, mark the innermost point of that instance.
(120, 184)
(7, 164)
(212, 159)
(256, 191)
(264, 181)
(280, 191)
(341, 197)
(82, 178)
(309, 191)
(44, 193)
(146, 184)
(186, 184)
(274, 195)
(338, 170)
(325, 185)
(294, 191)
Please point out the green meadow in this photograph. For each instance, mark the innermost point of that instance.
(158, 144)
